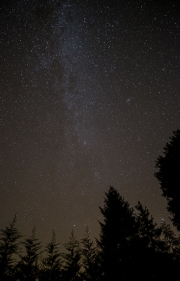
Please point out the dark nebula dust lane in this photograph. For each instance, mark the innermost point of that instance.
(89, 98)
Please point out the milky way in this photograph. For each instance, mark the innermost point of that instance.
(89, 98)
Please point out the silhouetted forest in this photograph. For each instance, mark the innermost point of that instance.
(131, 246)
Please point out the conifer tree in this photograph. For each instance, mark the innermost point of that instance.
(115, 235)
(72, 260)
(171, 241)
(52, 263)
(169, 176)
(152, 249)
(9, 249)
(28, 265)
(148, 230)
(90, 259)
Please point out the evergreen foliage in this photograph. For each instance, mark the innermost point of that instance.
(115, 235)
(131, 246)
(169, 176)
(72, 260)
(148, 231)
(9, 249)
(153, 246)
(51, 269)
(28, 265)
(90, 259)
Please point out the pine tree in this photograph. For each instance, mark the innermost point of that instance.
(115, 235)
(28, 265)
(169, 176)
(151, 249)
(52, 263)
(90, 259)
(171, 241)
(9, 249)
(72, 260)
(148, 231)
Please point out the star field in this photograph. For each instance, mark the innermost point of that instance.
(89, 97)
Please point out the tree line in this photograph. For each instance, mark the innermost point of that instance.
(131, 245)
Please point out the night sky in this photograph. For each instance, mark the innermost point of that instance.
(90, 94)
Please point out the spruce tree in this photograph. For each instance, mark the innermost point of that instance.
(169, 176)
(9, 249)
(72, 260)
(115, 235)
(52, 263)
(90, 259)
(28, 265)
(152, 249)
(148, 231)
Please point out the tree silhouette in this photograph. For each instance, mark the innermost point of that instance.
(169, 176)
(52, 263)
(90, 259)
(133, 246)
(172, 243)
(115, 234)
(28, 264)
(148, 231)
(149, 250)
(72, 260)
(9, 248)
